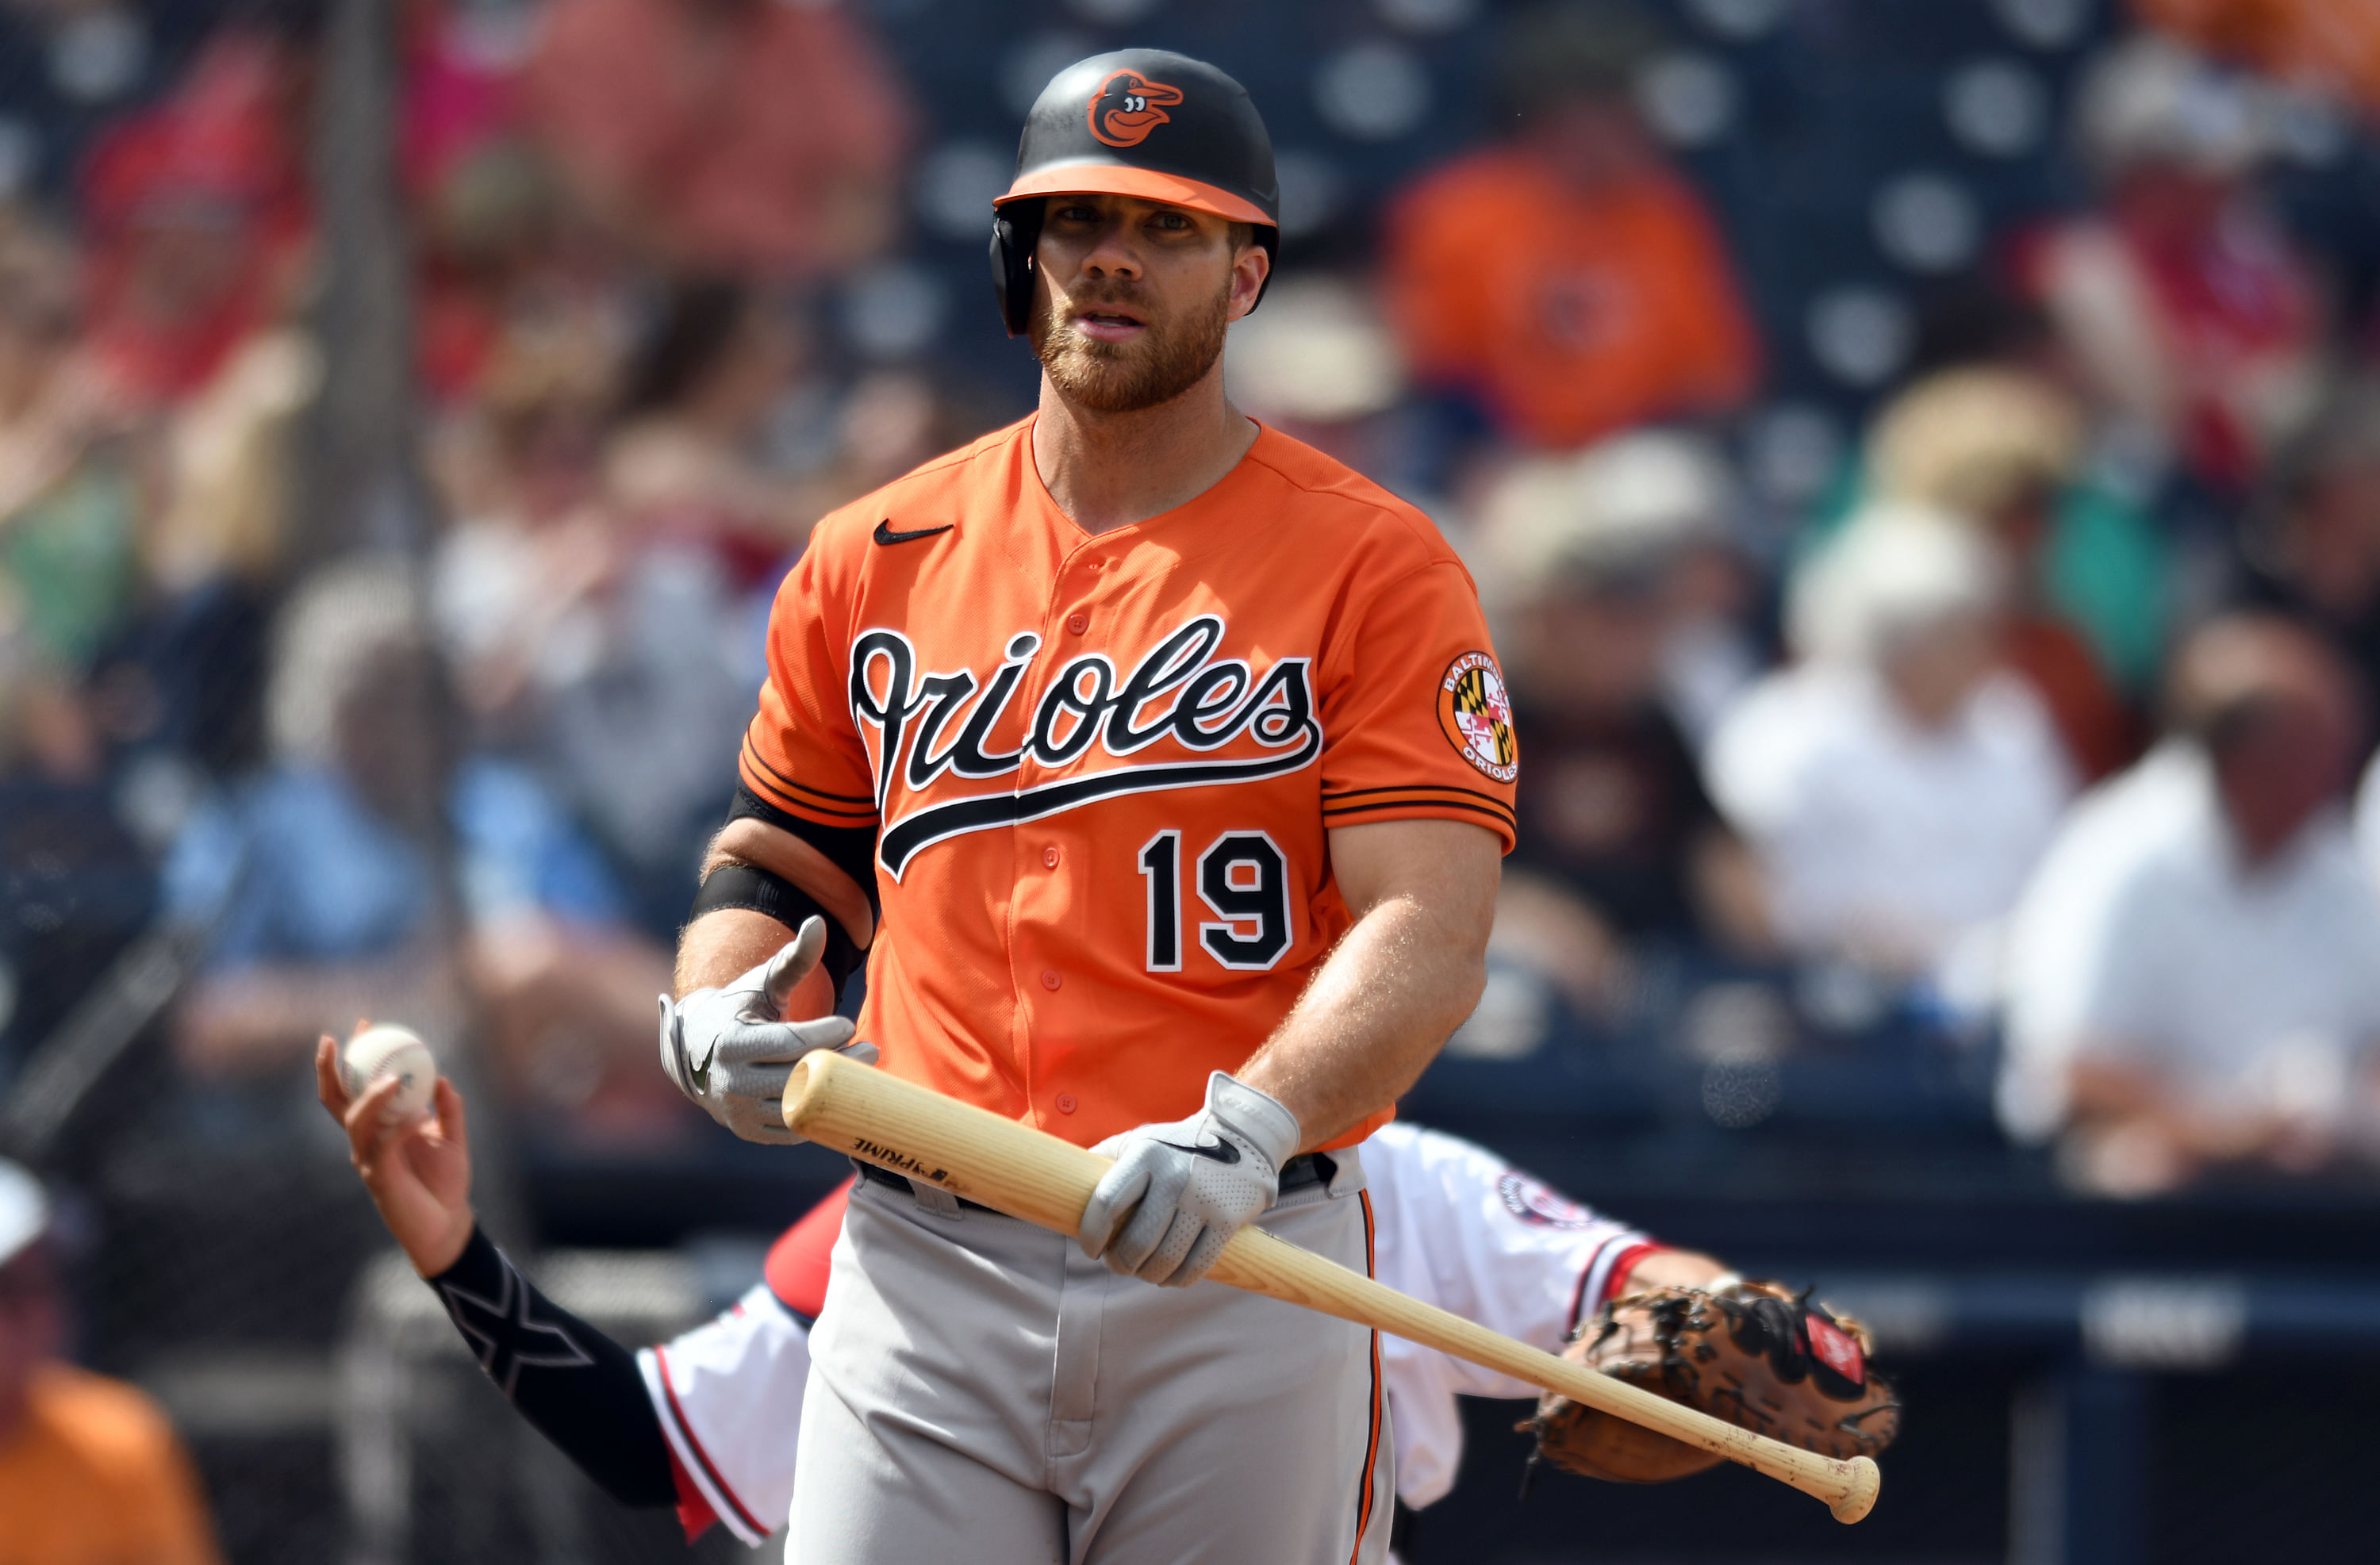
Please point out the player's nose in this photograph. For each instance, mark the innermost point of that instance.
(1112, 253)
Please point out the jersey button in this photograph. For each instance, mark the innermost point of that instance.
(1065, 1103)
(1078, 623)
(1049, 978)
(1049, 857)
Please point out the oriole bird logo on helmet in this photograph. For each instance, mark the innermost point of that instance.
(1128, 107)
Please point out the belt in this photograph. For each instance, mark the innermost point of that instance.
(1305, 1169)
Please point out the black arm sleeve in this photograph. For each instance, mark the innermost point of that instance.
(580, 1389)
(748, 885)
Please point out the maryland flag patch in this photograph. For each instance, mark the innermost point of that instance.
(1478, 716)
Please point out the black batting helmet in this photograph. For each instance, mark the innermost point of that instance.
(1139, 122)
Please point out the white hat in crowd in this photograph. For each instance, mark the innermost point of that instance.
(1896, 571)
(1616, 509)
(2152, 99)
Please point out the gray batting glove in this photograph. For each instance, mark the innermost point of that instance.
(731, 1049)
(1182, 1190)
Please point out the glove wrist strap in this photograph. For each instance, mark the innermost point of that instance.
(1255, 1114)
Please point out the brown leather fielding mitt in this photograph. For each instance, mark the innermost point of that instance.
(1757, 1354)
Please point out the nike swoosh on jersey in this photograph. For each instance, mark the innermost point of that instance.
(1220, 1152)
(884, 533)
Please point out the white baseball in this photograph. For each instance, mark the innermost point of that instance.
(390, 1052)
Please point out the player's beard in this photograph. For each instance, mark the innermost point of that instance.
(1173, 355)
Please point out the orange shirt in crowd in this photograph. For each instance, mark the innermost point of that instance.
(2332, 41)
(96, 1477)
(1572, 312)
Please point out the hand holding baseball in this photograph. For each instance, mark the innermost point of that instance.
(418, 1168)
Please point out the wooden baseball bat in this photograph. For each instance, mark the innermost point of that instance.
(1034, 1176)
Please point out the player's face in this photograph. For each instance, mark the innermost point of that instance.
(1130, 297)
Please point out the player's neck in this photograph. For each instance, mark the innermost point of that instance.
(1109, 470)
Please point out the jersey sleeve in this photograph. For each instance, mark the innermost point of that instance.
(1416, 720)
(1461, 1229)
(801, 752)
(729, 1397)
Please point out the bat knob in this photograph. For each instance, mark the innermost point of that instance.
(1860, 1498)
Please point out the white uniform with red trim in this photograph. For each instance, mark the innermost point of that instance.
(1455, 1225)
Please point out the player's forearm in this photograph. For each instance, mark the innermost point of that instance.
(722, 944)
(1376, 1016)
(719, 947)
(1669, 1268)
(782, 854)
(579, 1388)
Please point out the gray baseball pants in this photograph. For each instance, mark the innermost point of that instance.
(982, 1392)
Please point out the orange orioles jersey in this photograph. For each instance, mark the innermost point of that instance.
(1101, 770)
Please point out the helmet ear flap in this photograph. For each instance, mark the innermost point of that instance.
(1270, 238)
(1016, 229)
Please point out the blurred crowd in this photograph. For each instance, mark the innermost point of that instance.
(2039, 717)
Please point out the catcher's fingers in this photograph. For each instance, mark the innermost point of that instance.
(327, 1085)
(792, 965)
(370, 1127)
(448, 1104)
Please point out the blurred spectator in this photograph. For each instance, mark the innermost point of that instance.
(2325, 44)
(1898, 782)
(595, 586)
(2312, 543)
(2000, 448)
(69, 512)
(726, 136)
(74, 883)
(1319, 363)
(685, 463)
(1618, 845)
(90, 1472)
(197, 221)
(1568, 279)
(321, 886)
(2183, 302)
(2193, 976)
(520, 469)
(76, 887)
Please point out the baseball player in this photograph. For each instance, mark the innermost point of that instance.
(707, 1421)
(1161, 768)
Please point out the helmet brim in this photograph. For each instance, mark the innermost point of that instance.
(1147, 183)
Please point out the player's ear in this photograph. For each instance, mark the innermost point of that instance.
(1251, 264)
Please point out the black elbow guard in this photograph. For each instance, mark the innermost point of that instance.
(749, 886)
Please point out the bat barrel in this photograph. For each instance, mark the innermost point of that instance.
(978, 1156)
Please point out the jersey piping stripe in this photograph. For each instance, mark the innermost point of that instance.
(714, 1485)
(778, 794)
(751, 751)
(1502, 815)
(1413, 788)
(1371, 1444)
(1604, 1269)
